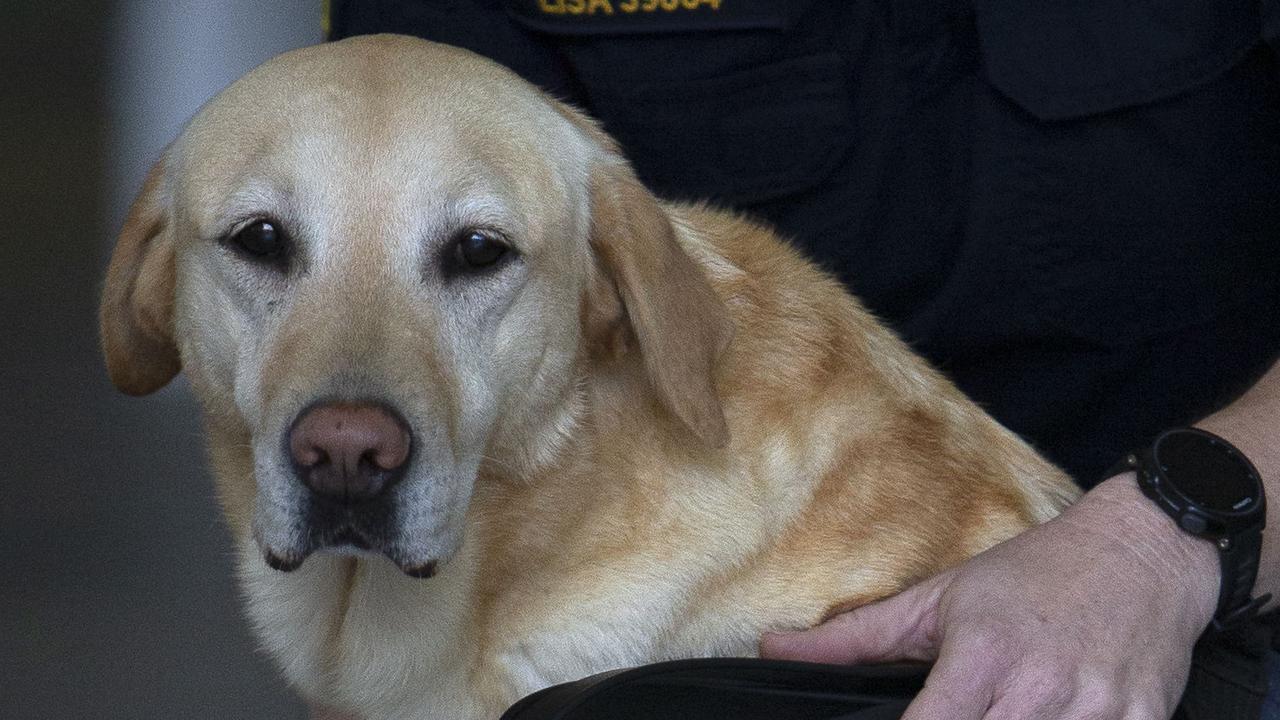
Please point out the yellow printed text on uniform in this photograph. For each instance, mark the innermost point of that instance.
(624, 7)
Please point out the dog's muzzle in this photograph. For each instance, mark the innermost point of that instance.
(349, 456)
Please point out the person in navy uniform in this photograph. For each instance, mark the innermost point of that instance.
(1073, 209)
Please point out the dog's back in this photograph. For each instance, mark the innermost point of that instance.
(852, 470)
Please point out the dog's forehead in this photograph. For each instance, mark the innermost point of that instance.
(387, 110)
(383, 83)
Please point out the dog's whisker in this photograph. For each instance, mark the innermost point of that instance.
(499, 463)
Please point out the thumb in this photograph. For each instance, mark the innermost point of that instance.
(902, 627)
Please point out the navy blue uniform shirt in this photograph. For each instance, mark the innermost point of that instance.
(1073, 209)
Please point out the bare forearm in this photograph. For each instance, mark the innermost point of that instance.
(1252, 423)
(1082, 595)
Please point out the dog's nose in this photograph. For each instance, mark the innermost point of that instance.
(349, 451)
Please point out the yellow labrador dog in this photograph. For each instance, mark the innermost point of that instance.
(485, 415)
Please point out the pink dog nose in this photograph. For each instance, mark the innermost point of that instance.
(349, 451)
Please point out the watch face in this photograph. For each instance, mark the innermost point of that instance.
(1208, 472)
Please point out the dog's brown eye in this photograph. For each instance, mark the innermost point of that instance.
(260, 240)
(478, 250)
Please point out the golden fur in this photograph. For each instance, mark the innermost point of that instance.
(659, 434)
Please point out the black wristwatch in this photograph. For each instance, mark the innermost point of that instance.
(1212, 491)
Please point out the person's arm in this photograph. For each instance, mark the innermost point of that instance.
(1091, 615)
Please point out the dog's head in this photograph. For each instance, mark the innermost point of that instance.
(383, 262)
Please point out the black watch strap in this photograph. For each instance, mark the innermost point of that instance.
(1238, 552)
(1239, 556)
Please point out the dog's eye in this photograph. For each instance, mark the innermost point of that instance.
(261, 240)
(475, 250)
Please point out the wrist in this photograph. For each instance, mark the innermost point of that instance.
(1187, 565)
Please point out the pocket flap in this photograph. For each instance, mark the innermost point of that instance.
(1068, 59)
(742, 137)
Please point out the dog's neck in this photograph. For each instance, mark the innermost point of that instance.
(537, 437)
(542, 438)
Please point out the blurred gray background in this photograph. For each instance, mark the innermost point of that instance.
(116, 591)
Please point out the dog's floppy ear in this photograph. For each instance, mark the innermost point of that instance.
(680, 324)
(136, 317)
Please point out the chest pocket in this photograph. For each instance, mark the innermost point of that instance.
(1132, 168)
(745, 137)
(713, 101)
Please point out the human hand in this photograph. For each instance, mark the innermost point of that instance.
(1091, 615)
